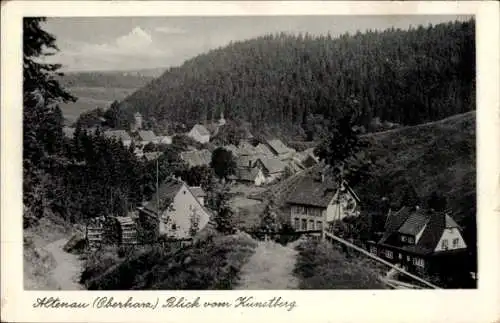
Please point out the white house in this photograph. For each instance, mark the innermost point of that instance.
(314, 203)
(199, 133)
(174, 209)
(415, 238)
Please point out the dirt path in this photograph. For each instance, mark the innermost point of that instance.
(68, 266)
(270, 267)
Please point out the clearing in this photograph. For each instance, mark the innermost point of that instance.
(270, 267)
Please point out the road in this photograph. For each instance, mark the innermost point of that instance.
(68, 266)
(270, 267)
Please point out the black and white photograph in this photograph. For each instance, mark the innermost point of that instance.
(249, 152)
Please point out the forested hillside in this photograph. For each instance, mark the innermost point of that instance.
(287, 81)
(112, 79)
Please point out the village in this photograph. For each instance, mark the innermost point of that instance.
(414, 239)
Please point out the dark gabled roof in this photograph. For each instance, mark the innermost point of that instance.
(201, 130)
(147, 135)
(311, 191)
(410, 221)
(166, 191)
(414, 223)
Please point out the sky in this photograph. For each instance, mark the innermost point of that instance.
(132, 43)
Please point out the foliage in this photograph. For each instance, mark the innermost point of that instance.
(197, 176)
(218, 201)
(223, 163)
(320, 266)
(404, 76)
(206, 265)
(229, 134)
(269, 219)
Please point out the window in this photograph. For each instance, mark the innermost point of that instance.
(455, 243)
(373, 250)
(411, 240)
(319, 225)
(174, 226)
(304, 224)
(311, 224)
(296, 223)
(388, 254)
(444, 244)
(403, 238)
(418, 262)
(400, 256)
(408, 258)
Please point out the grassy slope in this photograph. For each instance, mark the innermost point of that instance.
(99, 89)
(321, 266)
(438, 156)
(207, 265)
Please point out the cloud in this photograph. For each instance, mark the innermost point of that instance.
(170, 30)
(135, 48)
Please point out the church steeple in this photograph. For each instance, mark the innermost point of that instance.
(222, 121)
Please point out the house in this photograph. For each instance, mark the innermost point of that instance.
(69, 132)
(199, 133)
(172, 212)
(199, 193)
(151, 155)
(197, 157)
(306, 158)
(145, 137)
(315, 202)
(164, 140)
(415, 238)
(263, 150)
(120, 135)
(279, 149)
(246, 149)
(253, 176)
(233, 149)
(272, 167)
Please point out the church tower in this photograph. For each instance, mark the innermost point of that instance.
(137, 122)
(222, 121)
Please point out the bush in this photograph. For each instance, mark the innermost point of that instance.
(320, 266)
(207, 264)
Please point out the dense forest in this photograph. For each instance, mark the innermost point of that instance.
(288, 81)
(114, 79)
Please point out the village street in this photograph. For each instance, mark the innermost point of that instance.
(68, 266)
(270, 267)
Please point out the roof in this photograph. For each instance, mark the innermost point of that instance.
(311, 191)
(264, 150)
(197, 191)
(412, 221)
(69, 132)
(201, 130)
(232, 148)
(272, 164)
(196, 157)
(166, 191)
(152, 155)
(246, 149)
(117, 134)
(278, 146)
(245, 160)
(247, 174)
(147, 135)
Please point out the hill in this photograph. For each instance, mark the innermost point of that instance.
(101, 88)
(289, 83)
